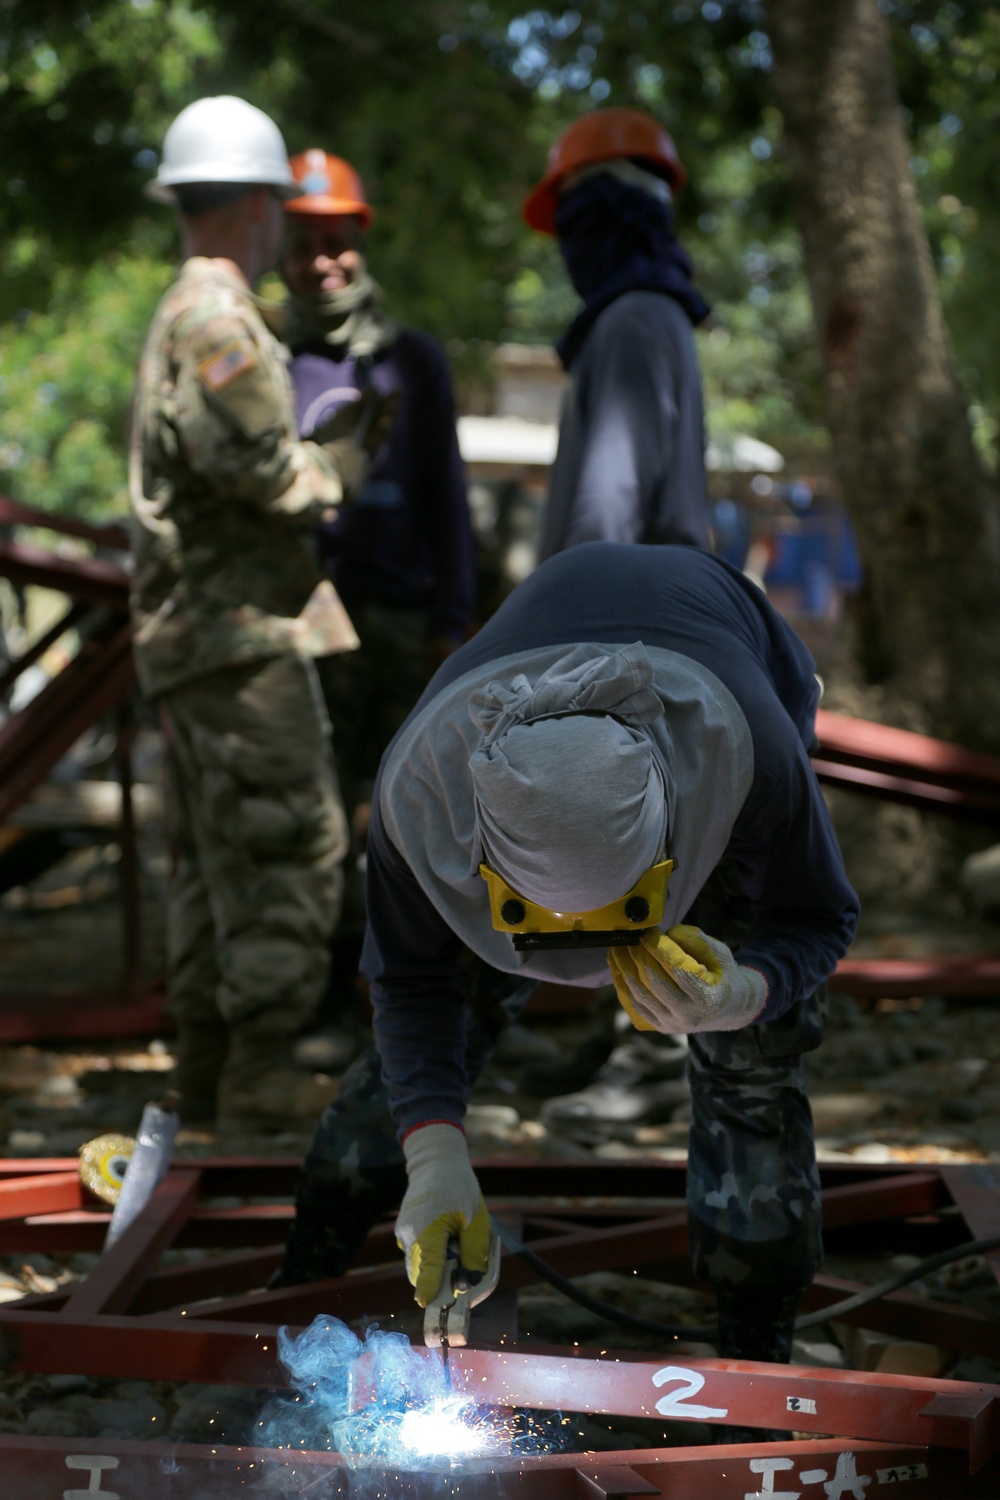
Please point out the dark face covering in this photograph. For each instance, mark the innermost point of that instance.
(617, 238)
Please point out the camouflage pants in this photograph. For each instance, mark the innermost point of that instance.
(369, 692)
(258, 834)
(753, 1185)
(752, 1181)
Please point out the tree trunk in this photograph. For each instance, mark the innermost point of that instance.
(924, 508)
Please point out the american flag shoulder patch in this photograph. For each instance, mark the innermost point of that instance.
(235, 359)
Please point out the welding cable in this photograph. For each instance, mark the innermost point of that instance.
(595, 1304)
(902, 1278)
(710, 1335)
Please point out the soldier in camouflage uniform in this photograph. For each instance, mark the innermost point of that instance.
(230, 608)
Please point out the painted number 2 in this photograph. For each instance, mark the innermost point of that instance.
(678, 1403)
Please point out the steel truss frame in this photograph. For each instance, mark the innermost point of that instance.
(132, 1318)
(99, 680)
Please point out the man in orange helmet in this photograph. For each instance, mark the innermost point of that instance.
(630, 464)
(403, 559)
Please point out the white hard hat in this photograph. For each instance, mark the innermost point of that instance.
(222, 139)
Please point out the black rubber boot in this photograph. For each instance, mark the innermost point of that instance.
(329, 1229)
(757, 1323)
(565, 1075)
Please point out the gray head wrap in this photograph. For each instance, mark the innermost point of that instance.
(571, 800)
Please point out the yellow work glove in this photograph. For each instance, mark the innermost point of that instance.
(443, 1202)
(684, 980)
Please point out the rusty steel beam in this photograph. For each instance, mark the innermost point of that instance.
(958, 802)
(901, 978)
(908, 1316)
(48, 1193)
(128, 869)
(96, 680)
(850, 1403)
(107, 534)
(90, 579)
(636, 1178)
(44, 1468)
(855, 1404)
(121, 1271)
(898, 766)
(862, 742)
(73, 616)
(82, 1014)
(259, 1224)
(126, 1348)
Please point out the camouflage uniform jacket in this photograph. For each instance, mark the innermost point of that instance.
(223, 493)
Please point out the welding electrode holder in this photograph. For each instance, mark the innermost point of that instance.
(446, 1318)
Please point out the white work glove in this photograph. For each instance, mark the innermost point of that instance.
(443, 1202)
(684, 980)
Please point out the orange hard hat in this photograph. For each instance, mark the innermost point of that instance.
(602, 135)
(329, 185)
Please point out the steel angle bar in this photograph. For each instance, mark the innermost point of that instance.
(106, 534)
(126, 1348)
(850, 1403)
(979, 806)
(899, 978)
(263, 1176)
(120, 1272)
(863, 742)
(947, 1324)
(385, 1287)
(21, 1197)
(82, 1014)
(173, 1286)
(207, 1228)
(895, 1195)
(118, 1469)
(220, 1276)
(90, 579)
(38, 648)
(97, 679)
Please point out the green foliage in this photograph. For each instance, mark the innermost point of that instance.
(448, 108)
(65, 384)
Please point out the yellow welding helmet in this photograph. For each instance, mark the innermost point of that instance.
(620, 923)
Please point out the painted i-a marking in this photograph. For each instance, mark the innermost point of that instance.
(846, 1484)
(678, 1403)
(96, 1463)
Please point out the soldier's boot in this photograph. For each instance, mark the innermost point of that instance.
(261, 1089)
(758, 1324)
(200, 1054)
(329, 1230)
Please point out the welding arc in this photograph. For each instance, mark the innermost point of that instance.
(710, 1335)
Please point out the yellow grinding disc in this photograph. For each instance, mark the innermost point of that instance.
(102, 1165)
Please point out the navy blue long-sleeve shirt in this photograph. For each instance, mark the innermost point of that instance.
(407, 540)
(783, 844)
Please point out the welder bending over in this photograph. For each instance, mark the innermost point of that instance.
(626, 742)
